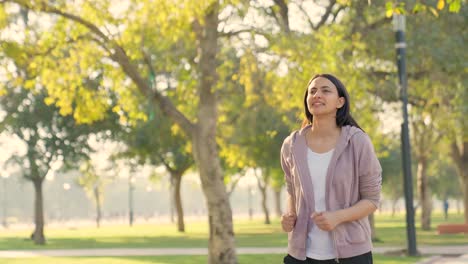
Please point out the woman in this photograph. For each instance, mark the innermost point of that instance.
(333, 180)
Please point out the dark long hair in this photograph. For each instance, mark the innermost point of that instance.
(343, 115)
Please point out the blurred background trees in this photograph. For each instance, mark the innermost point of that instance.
(214, 87)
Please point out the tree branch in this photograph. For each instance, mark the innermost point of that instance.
(284, 14)
(123, 60)
(273, 13)
(374, 25)
(335, 14)
(233, 186)
(234, 33)
(325, 16)
(166, 164)
(147, 60)
(68, 41)
(301, 8)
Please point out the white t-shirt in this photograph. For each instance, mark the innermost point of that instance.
(319, 243)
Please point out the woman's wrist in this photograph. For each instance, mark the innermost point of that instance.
(341, 216)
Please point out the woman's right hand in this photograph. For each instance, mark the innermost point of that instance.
(288, 221)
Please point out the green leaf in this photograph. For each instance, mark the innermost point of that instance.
(417, 7)
(455, 6)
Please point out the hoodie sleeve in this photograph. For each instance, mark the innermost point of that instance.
(286, 166)
(370, 171)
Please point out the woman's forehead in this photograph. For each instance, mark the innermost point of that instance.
(320, 82)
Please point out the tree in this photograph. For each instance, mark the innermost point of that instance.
(445, 181)
(392, 178)
(156, 144)
(92, 46)
(49, 138)
(429, 123)
(93, 184)
(456, 131)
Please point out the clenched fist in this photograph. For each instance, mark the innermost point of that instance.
(327, 221)
(288, 221)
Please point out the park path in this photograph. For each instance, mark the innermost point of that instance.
(118, 252)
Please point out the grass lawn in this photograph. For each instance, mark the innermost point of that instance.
(391, 232)
(243, 259)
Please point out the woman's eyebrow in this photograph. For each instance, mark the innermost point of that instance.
(323, 87)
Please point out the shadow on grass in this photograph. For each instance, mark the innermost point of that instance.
(18, 243)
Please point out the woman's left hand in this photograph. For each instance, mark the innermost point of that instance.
(326, 221)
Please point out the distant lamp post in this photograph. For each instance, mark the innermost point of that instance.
(4, 200)
(400, 46)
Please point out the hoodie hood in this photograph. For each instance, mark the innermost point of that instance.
(347, 132)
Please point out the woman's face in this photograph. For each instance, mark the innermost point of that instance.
(323, 98)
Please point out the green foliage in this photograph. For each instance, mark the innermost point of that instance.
(392, 178)
(252, 137)
(444, 180)
(154, 142)
(405, 7)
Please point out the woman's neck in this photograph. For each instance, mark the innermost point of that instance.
(325, 127)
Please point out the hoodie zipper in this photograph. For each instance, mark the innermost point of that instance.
(337, 260)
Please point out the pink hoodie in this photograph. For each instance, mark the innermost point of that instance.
(354, 173)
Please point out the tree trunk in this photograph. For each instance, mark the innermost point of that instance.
(221, 248)
(278, 202)
(263, 191)
(424, 194)
(221, 238)
(460, 157)
(38, 235)
(178, 202)
(98, 206)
